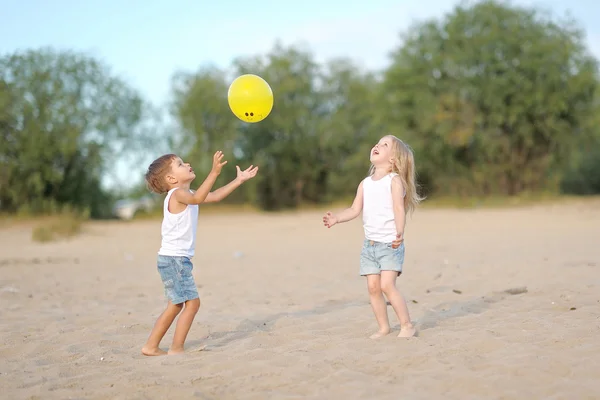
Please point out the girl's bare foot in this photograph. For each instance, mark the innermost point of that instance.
(147, 351)
(407, 331)
(380, 333)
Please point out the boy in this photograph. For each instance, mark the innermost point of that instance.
(169, 174)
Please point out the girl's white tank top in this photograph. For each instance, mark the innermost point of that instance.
(178, 230)
(378, 209)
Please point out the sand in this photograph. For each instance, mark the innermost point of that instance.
(285, 315)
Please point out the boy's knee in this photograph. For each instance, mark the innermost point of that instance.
(192, 305)
(175, 307)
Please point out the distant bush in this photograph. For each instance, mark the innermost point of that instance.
(63, 225)
(584, 177)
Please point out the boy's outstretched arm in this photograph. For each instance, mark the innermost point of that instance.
(185, 197)
(224, 191)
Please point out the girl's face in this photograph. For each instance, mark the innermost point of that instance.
(382, 152)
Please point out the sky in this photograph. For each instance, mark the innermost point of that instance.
(146, 42)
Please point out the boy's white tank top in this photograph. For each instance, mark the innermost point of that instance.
(378, 209)
(178, 230)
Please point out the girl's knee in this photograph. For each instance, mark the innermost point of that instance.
(388, 287)
(374, 289)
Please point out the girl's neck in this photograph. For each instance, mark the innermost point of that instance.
(380, 172)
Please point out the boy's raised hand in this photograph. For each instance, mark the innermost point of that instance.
(246, 174)
(217, 164)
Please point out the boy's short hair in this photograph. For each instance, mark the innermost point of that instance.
(158, 169)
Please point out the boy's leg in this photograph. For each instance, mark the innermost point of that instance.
(184, 324)
(161, 327)
(186, 289)
(378, 305)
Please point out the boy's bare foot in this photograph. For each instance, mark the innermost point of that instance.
(147, 351)
(407, 331)
(379, 333)
(173, 352)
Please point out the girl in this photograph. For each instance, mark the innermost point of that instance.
(169, 174)
(384, 197)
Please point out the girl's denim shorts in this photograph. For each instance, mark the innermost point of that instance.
(376, 257)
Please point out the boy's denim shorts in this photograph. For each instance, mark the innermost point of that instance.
(177, 278)
(376, 257)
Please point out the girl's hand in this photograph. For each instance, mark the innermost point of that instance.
(329, 220)
(246, 174)
(398, 241)
(217, 164)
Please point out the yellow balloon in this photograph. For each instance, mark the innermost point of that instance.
(250, 98)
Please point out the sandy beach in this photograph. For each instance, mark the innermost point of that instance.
(506, 301)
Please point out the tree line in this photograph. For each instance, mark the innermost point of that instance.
(495, 99)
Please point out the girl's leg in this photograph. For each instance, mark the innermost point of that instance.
(161, 327)
(388, 286)
(184, 324)
(378, 305)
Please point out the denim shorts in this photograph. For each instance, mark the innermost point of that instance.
(177, 278)
(376, 257)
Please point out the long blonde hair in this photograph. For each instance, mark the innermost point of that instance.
(403, 163)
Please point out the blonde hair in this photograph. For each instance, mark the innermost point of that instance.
(403, 163)
(157, 171)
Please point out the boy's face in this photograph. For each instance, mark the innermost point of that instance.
(181, 173)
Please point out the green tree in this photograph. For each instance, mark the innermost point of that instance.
(494, 98)
(285, 145)
(582, 176)
(200, 109)
(64, 120)
(351, 127)
(306, 148)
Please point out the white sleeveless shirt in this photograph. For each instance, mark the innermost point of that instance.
(378, 209)
(178, 230)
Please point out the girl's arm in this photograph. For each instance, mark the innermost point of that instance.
(349, 213)
(355, 209)
(398, 203)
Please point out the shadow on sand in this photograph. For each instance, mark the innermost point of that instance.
(248, 327)
(431, 318)
(450, 310)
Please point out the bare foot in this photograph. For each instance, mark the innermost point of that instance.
(407, 331)
(173, 352)
(147, 351)
(379, 333)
